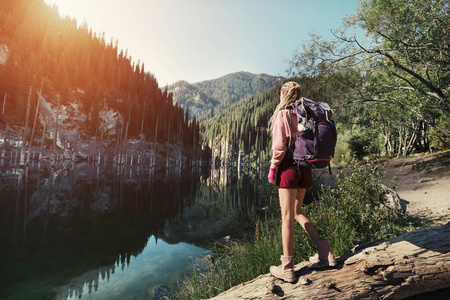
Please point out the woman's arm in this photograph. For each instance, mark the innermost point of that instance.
(278, 140)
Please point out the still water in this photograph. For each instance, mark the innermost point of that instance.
(83, 231)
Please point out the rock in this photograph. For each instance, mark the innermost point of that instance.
(425, 179)
(393, 200)
(159, 292)
(203, 263)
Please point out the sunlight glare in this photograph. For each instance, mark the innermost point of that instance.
(90, 12)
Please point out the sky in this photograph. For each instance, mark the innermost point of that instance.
(198, 40)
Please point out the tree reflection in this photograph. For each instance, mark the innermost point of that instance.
(90, 219)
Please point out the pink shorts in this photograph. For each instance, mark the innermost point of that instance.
(294, 178)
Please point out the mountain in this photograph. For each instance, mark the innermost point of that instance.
(193, 98)
(208, 98)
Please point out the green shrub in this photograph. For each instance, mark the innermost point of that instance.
(364, 141)
(349, 214)
(438, 140)
(342, 152)
(353, 212)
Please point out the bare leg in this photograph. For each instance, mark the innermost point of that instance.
(302, 219)
(287, 201)
(325, 255)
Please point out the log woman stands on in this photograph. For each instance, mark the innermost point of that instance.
(292, 183)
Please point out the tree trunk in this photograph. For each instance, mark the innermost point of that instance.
(411, 264)
(400, 141)
(41, 148)
(387, 144)
(34, 123)
(4, 104)
(55, 138)
(25, 131)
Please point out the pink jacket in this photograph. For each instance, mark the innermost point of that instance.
(281, 134)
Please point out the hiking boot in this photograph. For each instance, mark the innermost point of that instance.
(285, 271)
(325, 256)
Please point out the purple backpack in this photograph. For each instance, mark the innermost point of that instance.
(316, 136)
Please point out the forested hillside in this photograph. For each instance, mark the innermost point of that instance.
(389, 90)
(208, 98)
(244, 124)
(70, 64)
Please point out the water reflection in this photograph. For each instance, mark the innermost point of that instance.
(155, 266)
(68, 230)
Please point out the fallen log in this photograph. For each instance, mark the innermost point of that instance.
(411, 264)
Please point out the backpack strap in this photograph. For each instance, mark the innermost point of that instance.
(303, 107)
(289, 115)
(289, 109)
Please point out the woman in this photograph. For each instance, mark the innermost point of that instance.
(292, 183)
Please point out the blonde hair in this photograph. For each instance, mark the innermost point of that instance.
(290, 91)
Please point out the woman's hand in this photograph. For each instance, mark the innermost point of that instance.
(271, 176)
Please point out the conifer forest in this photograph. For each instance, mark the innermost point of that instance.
(46, 60)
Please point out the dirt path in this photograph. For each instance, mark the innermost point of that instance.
(423, 182)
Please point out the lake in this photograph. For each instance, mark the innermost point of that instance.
(89, 231)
